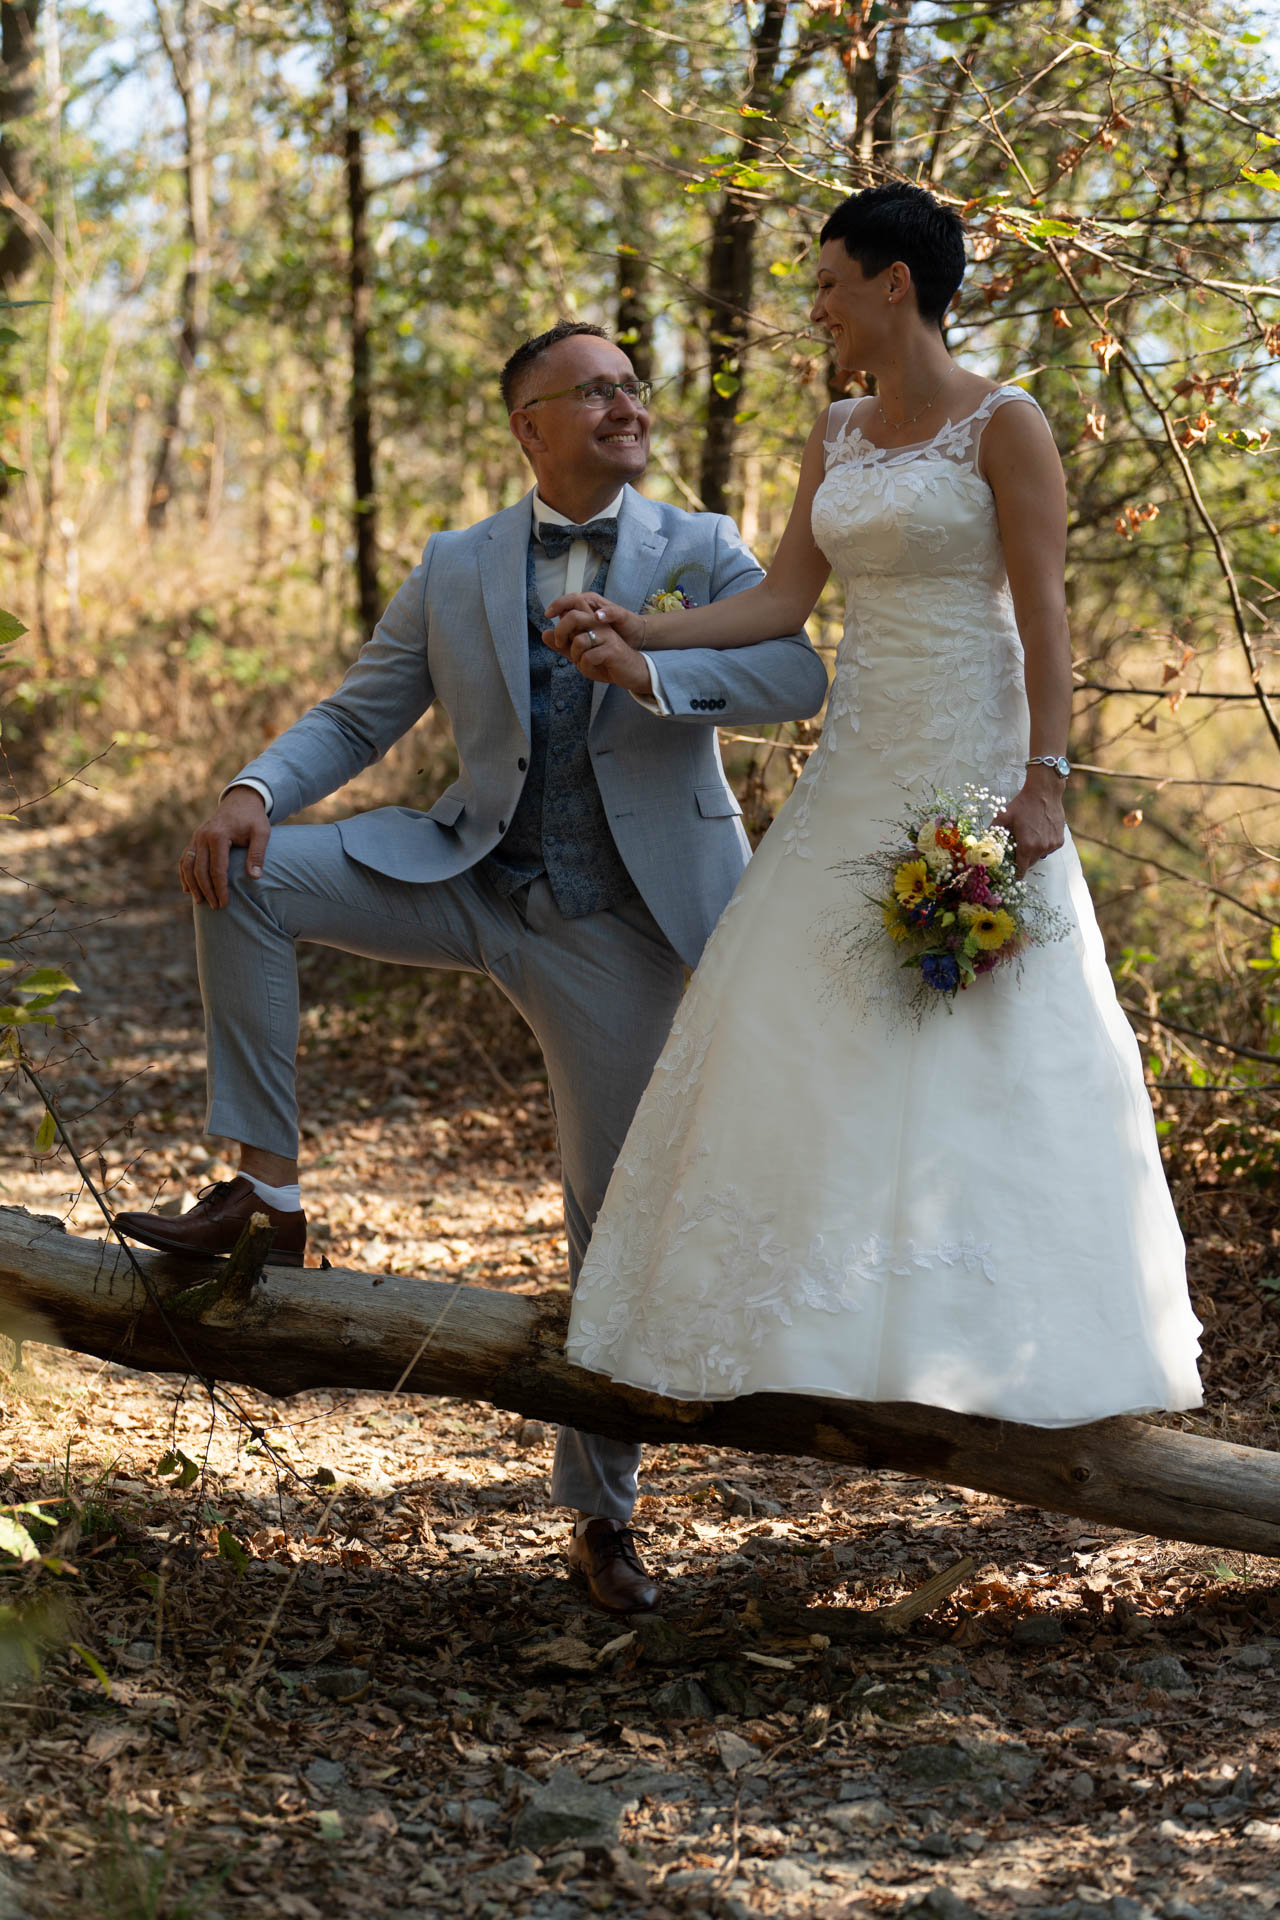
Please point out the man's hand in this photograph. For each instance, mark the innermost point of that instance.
(601, 653)
(240, 821)
(1035, 817)
(577, 613)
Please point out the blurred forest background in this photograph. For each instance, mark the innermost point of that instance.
(264, 262)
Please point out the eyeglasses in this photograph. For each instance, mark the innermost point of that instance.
(599, 393)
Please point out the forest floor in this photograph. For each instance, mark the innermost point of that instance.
(345, 1672)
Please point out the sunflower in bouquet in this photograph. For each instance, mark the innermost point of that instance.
(949, 894)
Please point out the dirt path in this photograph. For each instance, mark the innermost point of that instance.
(348, 1674)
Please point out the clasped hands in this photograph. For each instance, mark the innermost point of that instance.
(601, 639)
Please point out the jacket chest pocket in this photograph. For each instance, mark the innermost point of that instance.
(448, 810)
(716, 803)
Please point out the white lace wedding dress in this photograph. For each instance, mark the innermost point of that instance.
(818, 1195)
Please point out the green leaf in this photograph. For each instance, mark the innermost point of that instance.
(8, 337)
(47, 980)
(1048, 229)
(179, 1463)
(726, 384)
(1262, 177)
(46, 1132)
(229, 1548)
(94, 1665)
(16, 1541)
(11, 628)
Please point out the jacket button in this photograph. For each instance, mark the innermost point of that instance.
(720, 702)
(522, 764)
(502, 826)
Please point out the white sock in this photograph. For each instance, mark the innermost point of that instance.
(283, 1199)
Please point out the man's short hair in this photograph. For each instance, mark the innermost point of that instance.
(901, 222)
(531, 350)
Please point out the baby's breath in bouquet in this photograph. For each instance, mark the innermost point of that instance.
(949, 896)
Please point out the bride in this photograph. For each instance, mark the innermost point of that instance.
(818, 1195)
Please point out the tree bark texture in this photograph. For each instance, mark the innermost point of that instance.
(635, 316)
(182, 40)
(360, 313)
(873, 62)
(384, 1332)
(18, 19)
(731, 274)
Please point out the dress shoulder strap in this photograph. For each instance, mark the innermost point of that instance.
(975, 426)
(1000, 396)
(838, 416)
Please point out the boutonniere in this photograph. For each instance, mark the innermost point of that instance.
(672, 598)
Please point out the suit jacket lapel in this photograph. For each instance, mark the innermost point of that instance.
(502, 560)
(633, 571)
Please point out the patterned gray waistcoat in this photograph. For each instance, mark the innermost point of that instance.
(559, 826)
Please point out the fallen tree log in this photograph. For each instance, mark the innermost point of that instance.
(336, 1327)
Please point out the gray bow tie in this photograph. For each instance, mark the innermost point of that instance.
(556, 539)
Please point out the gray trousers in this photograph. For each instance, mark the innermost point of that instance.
(599, 993)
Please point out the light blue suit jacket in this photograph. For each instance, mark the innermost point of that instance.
(457, 633)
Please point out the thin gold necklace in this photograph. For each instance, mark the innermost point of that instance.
(911, 420)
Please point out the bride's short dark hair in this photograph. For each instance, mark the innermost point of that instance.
(901, 222)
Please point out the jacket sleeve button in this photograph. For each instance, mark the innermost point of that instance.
(502, 826)
(522, 764)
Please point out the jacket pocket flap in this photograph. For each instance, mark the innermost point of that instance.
(448, 810)
(716, 803)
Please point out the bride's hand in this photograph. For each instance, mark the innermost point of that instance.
(576, 613)
(1036, 817)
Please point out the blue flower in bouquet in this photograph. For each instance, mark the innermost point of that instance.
(940, 971)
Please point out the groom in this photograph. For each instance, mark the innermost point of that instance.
(580, 859)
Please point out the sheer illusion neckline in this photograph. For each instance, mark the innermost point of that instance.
(848, 431)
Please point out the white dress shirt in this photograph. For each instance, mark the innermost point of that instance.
(565, 574)
(568, 574)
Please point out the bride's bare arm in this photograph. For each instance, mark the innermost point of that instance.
(1024, 473)
(779, 605)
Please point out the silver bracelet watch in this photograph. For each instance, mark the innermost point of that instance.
(1058, 761)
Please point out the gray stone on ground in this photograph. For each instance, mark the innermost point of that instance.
(734, 1751)
(681, 1699)
(1164, 1670)
(1251, 1658)
(565, 1809)
(1039, 1630)
(326, 1774)
(858, 1816)
(952, 1763)
(786, 1876)
(941, 1904)
(340, 1683)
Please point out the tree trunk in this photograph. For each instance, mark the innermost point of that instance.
(360, 310)
(17, 103)
(182, 44)
(383, 1332)
(635, 319)
(873, 61)
(731, 274)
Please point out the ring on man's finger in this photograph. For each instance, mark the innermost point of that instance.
(590, 635)
(189, 854)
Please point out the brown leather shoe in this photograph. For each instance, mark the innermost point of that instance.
(606, 1558)
(216, 1222)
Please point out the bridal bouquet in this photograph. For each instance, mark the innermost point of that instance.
(949, 896)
